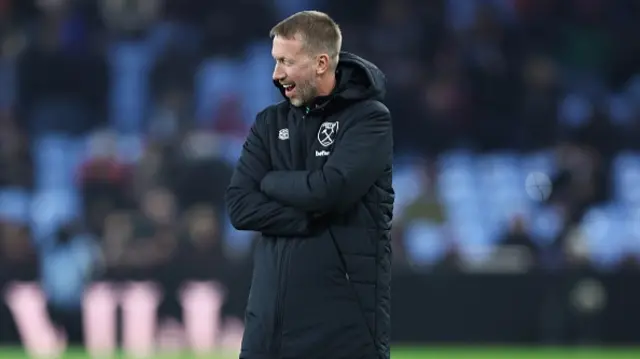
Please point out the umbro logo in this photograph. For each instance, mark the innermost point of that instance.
(283, 134)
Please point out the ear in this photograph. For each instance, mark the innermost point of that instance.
(322, 64)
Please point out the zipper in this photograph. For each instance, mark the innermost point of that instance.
(277, 320)
(303, 143)
(283, 265)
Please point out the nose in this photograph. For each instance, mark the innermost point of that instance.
(278, 74)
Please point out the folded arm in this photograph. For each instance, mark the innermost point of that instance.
(363, 153)
(250, 209)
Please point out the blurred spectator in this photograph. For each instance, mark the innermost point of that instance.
(17, 255)
(139, 244)
(585, 49)
(492, 54)
(130, 18)
(154, 229)
(70, 259)
(427, 239)
(199, 174)
(223, 15)
(518, 236)
(579, 183)
(539, 106)
(15, 158)
(63, 79)
(200, 248)
(172, 82)
(103, 180)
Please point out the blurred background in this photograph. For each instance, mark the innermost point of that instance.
(517, 175)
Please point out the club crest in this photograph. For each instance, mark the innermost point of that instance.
(327, 133)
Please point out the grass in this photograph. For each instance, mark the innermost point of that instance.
(513, 353)
(423, 353)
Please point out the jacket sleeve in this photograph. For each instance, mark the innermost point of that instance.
(248, 208)
(363, 153)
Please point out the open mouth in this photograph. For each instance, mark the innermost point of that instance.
(289, 88)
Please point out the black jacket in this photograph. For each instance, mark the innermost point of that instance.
(316, 182)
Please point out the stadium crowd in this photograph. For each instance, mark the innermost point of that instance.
(517, 128)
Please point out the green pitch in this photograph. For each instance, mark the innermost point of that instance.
(422, 353)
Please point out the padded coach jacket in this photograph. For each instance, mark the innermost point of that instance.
(316, 183)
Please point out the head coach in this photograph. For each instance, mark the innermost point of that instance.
(314, 178)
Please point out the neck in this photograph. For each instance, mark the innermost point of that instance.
(326, 85)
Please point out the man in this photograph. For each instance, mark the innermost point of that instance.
(314, 178)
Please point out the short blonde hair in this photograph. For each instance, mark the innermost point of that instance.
(318, 31)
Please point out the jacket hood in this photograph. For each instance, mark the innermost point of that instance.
(357, 79)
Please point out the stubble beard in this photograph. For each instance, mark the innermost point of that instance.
(307, 92)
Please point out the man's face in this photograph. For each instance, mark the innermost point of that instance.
(295, 70)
